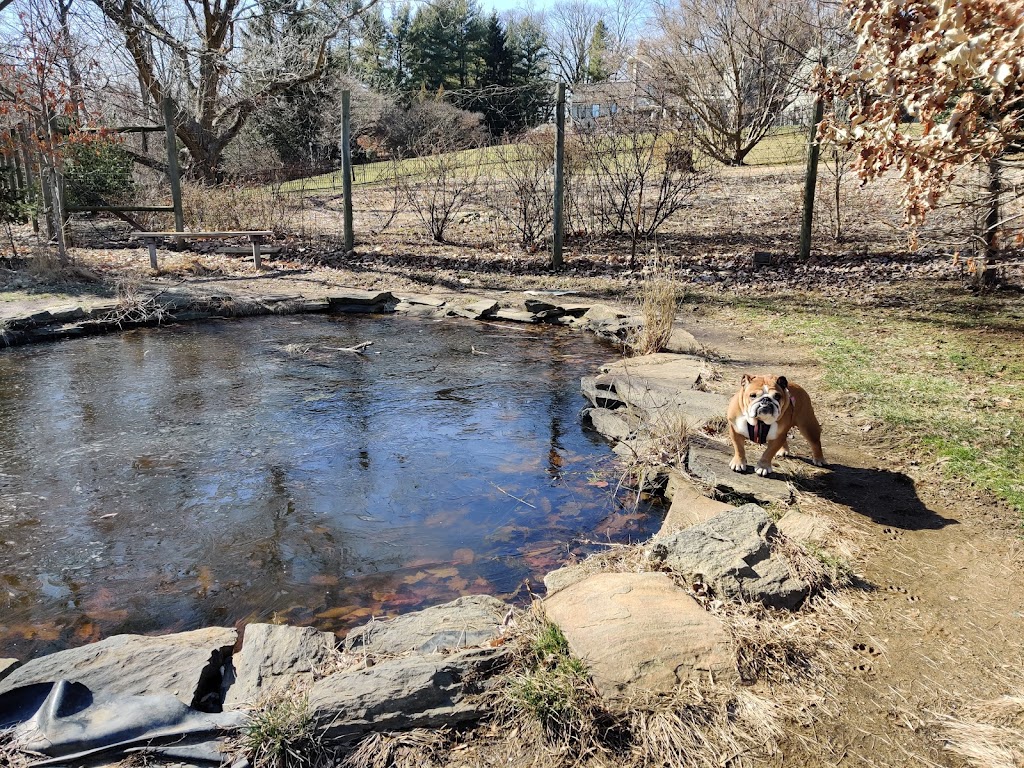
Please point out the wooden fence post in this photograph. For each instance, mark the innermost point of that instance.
(556, 219)
(346, 168)
(811, 182)
(173, 173)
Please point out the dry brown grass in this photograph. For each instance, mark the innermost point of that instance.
(230, 208)
(659, 298)
(11, 756)
(417, 748)
(989, 734)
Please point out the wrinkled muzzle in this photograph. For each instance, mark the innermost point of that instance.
(764, 409)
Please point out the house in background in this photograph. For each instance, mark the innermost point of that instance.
(591, 102)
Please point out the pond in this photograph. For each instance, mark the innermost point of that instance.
(250, 470)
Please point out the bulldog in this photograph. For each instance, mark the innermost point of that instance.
(763, 411)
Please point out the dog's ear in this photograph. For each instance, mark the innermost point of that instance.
(783, 382)
(747, 378)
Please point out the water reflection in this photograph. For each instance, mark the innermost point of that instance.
(168, 479)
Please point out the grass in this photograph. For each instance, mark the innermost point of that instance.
(282, 733)
(988, 734)
(659, 297)
(944, 381)
(785, 147)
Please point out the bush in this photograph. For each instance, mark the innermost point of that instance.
(98, 172)
(427, 123)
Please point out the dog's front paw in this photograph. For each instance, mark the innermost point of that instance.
(736, 465)
(763, 469)
(820, 462)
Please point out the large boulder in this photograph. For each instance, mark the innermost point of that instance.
(639, 631)
(274, 658)
(463, 623)
(732, 555)
(417, 691)
(187, 665)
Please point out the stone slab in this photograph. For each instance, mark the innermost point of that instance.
(474, 310)
(689, 505)
(515, 315)
(709, 463)
(361, 301)
(639, 631)
(465, 622)
(612, 424)
(274, 658)
(186, 664)
(418, 691)
(7, 666)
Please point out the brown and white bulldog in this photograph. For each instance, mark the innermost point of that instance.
(763, 411)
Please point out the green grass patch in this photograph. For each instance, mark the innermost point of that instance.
(786, 146)
(947, 383)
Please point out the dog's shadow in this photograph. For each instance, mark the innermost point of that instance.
(888, 498)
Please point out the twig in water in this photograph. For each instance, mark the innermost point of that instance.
(521, 501)
(356, 350)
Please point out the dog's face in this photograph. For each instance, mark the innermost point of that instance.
(763, 398)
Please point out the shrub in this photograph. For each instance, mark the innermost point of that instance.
(98, 172)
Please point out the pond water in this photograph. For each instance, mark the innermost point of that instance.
(167, 479)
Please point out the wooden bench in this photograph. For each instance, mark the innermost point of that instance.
(151, 239)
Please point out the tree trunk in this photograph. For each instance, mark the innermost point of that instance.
(995, 188)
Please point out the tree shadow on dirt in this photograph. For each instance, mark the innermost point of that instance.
(888, 498)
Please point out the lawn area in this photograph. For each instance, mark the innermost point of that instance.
(786, 146)
(947, 381)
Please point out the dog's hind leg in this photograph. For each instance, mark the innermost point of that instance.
(812, 434)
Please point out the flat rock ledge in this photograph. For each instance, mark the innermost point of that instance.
(427, 669)
(640, 632)
(187, 665)
(161, 303)
(463, 623)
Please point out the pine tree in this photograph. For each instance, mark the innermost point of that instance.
(599, 65)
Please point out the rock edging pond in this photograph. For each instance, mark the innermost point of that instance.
(642, 631)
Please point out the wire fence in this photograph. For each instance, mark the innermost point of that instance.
(637, 186)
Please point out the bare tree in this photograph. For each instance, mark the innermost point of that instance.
(642, 172)
(570, 25)
(523, 197)
(736, 66)
(580, 32)
(439, 181)
(194, 53)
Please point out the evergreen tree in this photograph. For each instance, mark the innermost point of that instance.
(599, 59)
(530, 68)
(446, 42)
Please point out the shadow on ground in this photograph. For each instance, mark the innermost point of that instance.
(884, 496)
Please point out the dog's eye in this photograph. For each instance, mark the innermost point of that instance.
(775, 395)
(753, 395)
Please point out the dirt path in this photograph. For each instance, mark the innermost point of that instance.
(940, 594)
